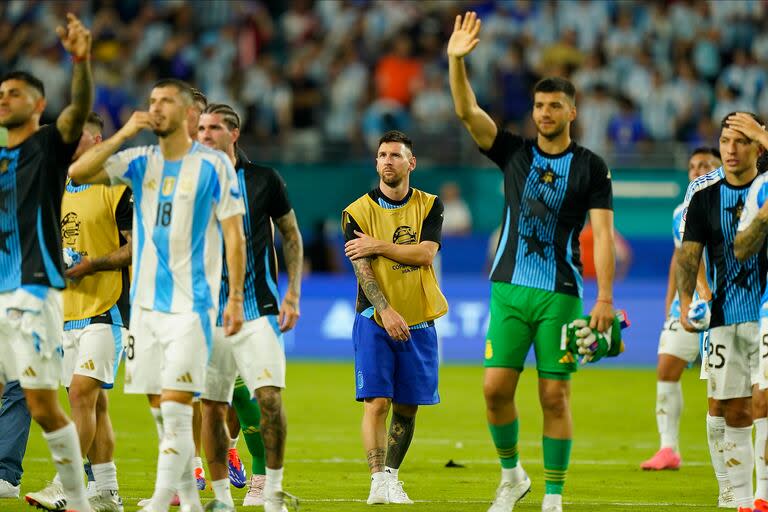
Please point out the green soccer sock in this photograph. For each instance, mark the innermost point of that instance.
(249, 414)
(505, 439)
(557, 453)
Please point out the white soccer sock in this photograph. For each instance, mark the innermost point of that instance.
(221, 491)
(715, 433)
(64, 446)
(106, 476)
(669, 406)
(375, 477)
(761, 470)
(739, 459)
(176, 448)
(157, 415)
(515, 474)
(274, 481)
(233, 443)
(391, 471)
(552, 500)
(197, 462)
(188, 494)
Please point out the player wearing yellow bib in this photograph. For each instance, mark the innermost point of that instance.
(393, 234)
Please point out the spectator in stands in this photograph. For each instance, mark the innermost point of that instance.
(457, 219)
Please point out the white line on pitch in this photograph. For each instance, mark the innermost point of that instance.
(471, 502)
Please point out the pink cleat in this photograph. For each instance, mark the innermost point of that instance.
(665, 458)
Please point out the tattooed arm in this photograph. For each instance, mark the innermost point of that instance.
(750, 240)
(76, 39)
(293, 252)
(688, 258)
(393, 322)
(118, 258)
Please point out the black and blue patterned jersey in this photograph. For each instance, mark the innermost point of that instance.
(547, 198)
(266, 199)
(32, 178)
(714, 208)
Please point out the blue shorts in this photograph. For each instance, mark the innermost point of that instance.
(405, 371)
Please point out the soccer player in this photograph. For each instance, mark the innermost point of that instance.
(186, 198)
(393, 234)
(713, 206)
(550, 185)
(256, 352)
(95, 319)
(33, 168)
(677, 347)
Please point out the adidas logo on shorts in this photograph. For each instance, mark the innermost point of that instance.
(29, 372)
(88, 365)
(187, 378)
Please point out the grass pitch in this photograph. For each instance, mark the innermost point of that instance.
(615, 429)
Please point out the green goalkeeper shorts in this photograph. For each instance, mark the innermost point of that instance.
(520, 316)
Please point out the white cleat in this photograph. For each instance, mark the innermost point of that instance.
(281, 501)
(379, 494)
(91, 491)
(396, 493)
(8, 490)
(509, 493)
(106, 501)
(255, 495)
(552, 503)
(726, 499)
(50, 498)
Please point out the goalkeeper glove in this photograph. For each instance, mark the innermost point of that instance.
(579, 339)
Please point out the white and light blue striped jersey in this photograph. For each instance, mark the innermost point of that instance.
(756, 197)
(178, 206)
(699, 183)
(677, 236)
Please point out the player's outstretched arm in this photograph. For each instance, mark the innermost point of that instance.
(364, 246)
(293, 253)
(234, 245)
(76, 39)
(393, 322)
(688, 258)
(605, 266)
(89, 168)
(463, 40)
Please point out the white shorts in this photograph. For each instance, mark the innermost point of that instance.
(676, 341)
(167, 351)
(30, 337)
(762, 374)
(732, 361)
(256, 353)
(94, 351)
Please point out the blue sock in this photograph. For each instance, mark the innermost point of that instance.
(89, 471)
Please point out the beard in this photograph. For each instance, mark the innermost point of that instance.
(392, 181)
(14, 121)
(164, 132)
(555, 133)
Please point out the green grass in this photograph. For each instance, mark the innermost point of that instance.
(614, 422)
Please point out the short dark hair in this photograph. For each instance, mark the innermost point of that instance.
(556, 84)
(96, 120)
(183, 87)
(199, 97)
(27, 78)
(724, 122)
(228, 114)
(706, 150)
(397, 136)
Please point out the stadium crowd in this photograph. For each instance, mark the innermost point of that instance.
(313, 74)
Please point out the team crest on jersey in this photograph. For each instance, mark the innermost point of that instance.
(70, 228)
(5, 164)
(547, 175)
(169, 183)
(404, 235)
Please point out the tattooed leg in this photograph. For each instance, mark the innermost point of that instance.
(400, 434)
(273, 425)
(375, 412)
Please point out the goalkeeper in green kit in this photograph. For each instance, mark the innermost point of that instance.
(550, 185)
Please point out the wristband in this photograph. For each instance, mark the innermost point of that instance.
(76, 59)
(605, 301)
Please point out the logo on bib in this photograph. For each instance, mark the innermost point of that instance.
(404, 235)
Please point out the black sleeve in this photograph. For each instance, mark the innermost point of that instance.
(600, 189)
(56, 149)
(124, 211)
(695, 218)
(432, 227)
(349, 225)
(278, 204)
(504, 146)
